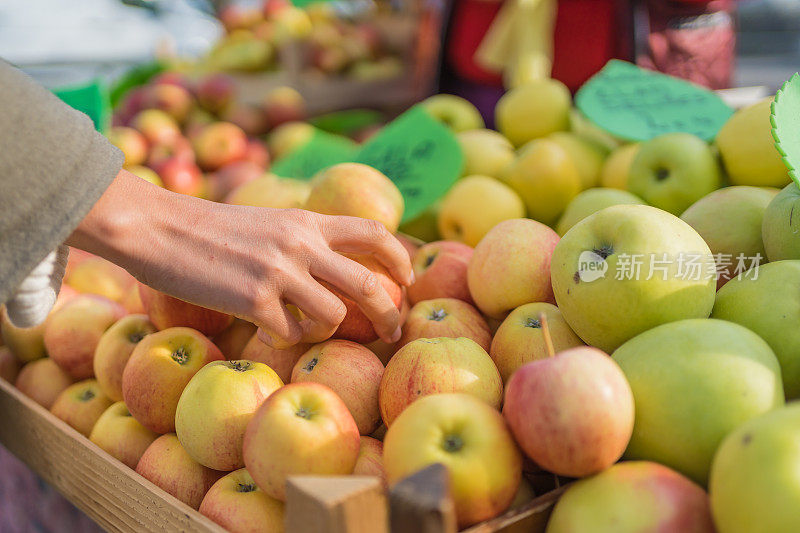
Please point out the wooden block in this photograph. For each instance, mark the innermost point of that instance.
(530, 518)
(336, 504)
(422, 503)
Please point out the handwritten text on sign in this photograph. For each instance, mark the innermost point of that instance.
(637, 105)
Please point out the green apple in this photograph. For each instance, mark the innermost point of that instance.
(587, 155)
(617, 167)
(486, 152)
(695, 381)
(591, 201)
(629, 268)
(673, 171)
(535, 109)
(454, 112)
(767, 301)
(633, 497)
(586, 128)
(755, 481)
(729, 220)
(780, 229)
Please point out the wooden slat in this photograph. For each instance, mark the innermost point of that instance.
(111, 494)
(531, 518)
(422, 503)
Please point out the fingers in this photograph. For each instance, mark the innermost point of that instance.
(277, 327)
(324, 311)
(363, 287)
(362, 236)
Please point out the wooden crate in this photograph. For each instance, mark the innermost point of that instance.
(120, 500)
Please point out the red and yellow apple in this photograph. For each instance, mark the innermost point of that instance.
(42, 381)
(237, 504)
(281, 361)
(80, 405)
(132, 144)
(440, 269)
(27, 344)
(216, 91)
(445, 317)
(166, 311)
(232, 340)
(156, 126)
(231, 176)
(173, 99)
(370, 459)
(9, 365)
(96, 275)
(218, 144)
(284, 104)
(114, 349)
(121, 435)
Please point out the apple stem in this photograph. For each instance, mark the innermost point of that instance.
(548, 341)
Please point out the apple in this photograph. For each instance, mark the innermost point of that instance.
(131, 142)
(172, 77)
(591, 201)
(351, 371)
(43, 381)
(128, 107)
(257, 153)
(80, 405)
(237, 504)
(765, 302)
(27, 344)
(281, 361)
(288, 137)
(177, 148)
(301, 429)
(779, 228)
(157, 126)
(284, 104)
(167, 312)
(132, 301)
(511, 267)
(197, 120)
(73, 331)
(579, 124)
(520, 338)
(231, 176)
(445, 317)
(370, 459)
(587, 156)
(357, 190)
(218, 144)
(632, 497)
(146, 173)
(755, 485)
(439, 365)
(425, 226)
(747, 148)
(695, 381)
(166, 464)
(474, 205)
(616, 168)
(627, 269)
(9, 365)
(729, 220)
(356, 326)
(114, 349)
(440, 271)
(473, 443)
(545, 178)
(271, 191)
(181, 176)
(486, 152)
(96, 275)
(173, 99)
(215, 407)
(159, 369)
(232, 340)
(572, 412)
(248, 117)
(216, 91)
(121, 436)
(533, 110)
(291, 24)
(330, 61)
(674, 170)
(454, 112)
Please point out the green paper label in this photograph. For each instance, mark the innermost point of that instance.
(419, 154)
(785, 120)
(91, 99)
(636, 104)
(321, 151)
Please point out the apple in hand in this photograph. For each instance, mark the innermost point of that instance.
(159, 369)
(572, 412)
(303, 428)
(281, 361)
(633, 497)
(121, 435)
(232, 340)
(779, 228)
(357, 190)
(673, 171)
(370, 459)
(42, 381)
(167, 465)
(454, 112)
(351, 371)
(166, 311)
(237, 504)
(627, 269)
(511, 267)
(445, 317)
(440, 271)
(114, 349)
(80, 405)
(439, 365)
(74, 330)
(215, 407)
(686, 404)
(470, 439)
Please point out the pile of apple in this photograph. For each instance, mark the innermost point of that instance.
(332, 45)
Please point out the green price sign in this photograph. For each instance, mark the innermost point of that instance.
(785, 119)
(321, 151)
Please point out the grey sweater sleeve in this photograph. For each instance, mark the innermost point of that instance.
(54, 166)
